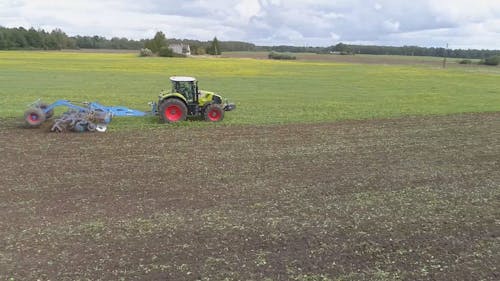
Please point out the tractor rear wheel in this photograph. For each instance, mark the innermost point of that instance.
(214, 113)
(173, 110)
(34, 117)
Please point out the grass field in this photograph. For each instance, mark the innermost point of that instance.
(266, 92)
(327, 170)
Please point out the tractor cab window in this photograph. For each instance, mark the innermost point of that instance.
(185, 89)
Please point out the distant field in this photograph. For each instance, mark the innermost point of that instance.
(265, 91)
(366, 59)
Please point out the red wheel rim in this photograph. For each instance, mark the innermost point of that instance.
(173, 112)
(214, 115)
(33, 117)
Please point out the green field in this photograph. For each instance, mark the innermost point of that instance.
(266, 92)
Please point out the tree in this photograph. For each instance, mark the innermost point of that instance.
(494, 60)
(343, 48)
(200, 50)
(145, 52)
(34, 39)
(58, 39)
(165, 52)
(19, 39)
(278, 56)
(214, 48)
(3, 40)
(157, 42)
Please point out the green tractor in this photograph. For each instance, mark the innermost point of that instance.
(185, 99)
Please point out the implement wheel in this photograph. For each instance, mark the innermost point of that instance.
(173, 110)
(49, 114)
(214, 113)
(34, 117)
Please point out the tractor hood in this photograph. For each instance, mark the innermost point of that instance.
(204, 93)
(206, 97)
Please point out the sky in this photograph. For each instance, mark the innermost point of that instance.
(429, 23)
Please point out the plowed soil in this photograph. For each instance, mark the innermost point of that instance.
(403, 199)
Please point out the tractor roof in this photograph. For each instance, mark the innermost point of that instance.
(182, 79)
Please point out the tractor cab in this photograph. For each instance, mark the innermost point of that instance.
(186, 86)
(185, 99)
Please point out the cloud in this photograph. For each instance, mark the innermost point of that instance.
(247, 9)
(460, 11)
(391, 25)
(271, 22)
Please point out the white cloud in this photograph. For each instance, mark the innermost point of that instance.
(391, 25)
(334, 37)
(247, 9)
(294, 22)
(460, 11)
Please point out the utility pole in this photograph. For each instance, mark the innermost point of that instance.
(444, 55)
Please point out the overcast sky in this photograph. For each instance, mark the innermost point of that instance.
(461, 23)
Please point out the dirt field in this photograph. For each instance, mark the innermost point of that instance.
(405, 199)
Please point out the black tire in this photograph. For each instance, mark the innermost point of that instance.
(214, 113)
(91, 127)
(44, 106)
(172, 110)
(34, 117)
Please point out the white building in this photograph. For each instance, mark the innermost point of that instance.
(181, 48)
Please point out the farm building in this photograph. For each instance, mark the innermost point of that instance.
(181, 48)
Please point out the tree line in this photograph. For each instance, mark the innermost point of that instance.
(345, 49)
(412, 51)
(21, 38)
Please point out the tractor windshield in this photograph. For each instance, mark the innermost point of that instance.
(184, 88)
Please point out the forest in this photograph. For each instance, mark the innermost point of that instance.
(19, 38)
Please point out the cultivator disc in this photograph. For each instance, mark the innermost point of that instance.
(78, 121)
(101, 128)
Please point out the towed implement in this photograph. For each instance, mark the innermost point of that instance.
(85, 116)
(182, 101)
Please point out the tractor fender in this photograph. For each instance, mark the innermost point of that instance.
(171, 96)
(163, 96)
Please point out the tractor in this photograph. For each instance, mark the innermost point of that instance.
(185, 99)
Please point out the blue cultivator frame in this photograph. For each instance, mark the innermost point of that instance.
(95, 106)
(39, 112)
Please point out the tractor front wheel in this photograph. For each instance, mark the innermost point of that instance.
(214, 113)
(34, 117)
(173, 110)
